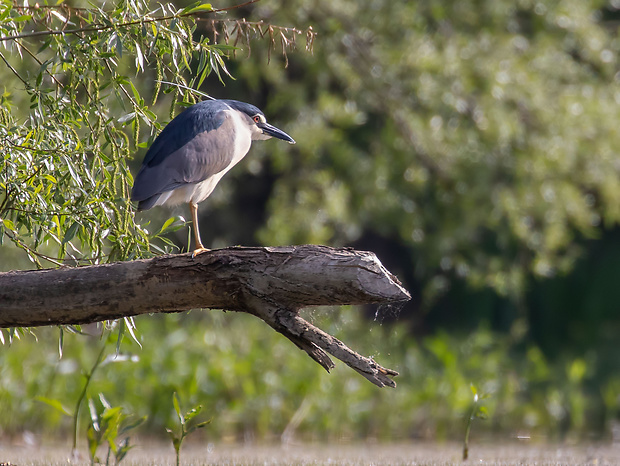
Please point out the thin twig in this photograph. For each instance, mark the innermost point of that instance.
(13, 237)
(188, 88)
(40, 63)
(14, 71)
(74, 8)
(47, 212)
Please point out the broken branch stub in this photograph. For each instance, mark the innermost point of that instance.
(270, 283)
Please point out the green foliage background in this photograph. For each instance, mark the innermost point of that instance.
(472, 145)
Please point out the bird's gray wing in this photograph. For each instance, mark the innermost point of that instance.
(204, 155)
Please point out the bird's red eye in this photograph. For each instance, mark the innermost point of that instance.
(256, 119)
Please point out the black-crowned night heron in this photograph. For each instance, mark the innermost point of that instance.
(195, 150)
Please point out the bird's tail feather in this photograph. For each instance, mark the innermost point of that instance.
(148, 202)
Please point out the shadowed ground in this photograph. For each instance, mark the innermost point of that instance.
(350, 454)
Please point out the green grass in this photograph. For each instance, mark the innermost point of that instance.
(253, 382)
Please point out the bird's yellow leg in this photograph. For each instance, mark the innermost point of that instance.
(199, 247)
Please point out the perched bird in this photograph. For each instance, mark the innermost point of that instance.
(195, 150)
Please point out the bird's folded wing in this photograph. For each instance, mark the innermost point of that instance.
(169, 165)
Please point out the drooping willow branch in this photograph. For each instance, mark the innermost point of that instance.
(242, 30)
(52, 10)
(67, 61)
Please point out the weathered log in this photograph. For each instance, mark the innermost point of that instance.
(270, 283)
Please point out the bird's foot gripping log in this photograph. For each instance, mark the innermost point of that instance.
(270, 283)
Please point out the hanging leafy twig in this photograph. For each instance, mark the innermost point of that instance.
(243, 31)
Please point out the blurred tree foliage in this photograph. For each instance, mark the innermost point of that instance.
(480, 136)
(471, 144)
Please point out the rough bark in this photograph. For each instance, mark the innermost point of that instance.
(270, 283)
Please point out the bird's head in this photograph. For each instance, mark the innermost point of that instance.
(258, 123)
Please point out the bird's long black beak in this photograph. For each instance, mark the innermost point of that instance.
(275, 132)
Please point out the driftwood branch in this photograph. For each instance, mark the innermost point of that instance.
(270, 283)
